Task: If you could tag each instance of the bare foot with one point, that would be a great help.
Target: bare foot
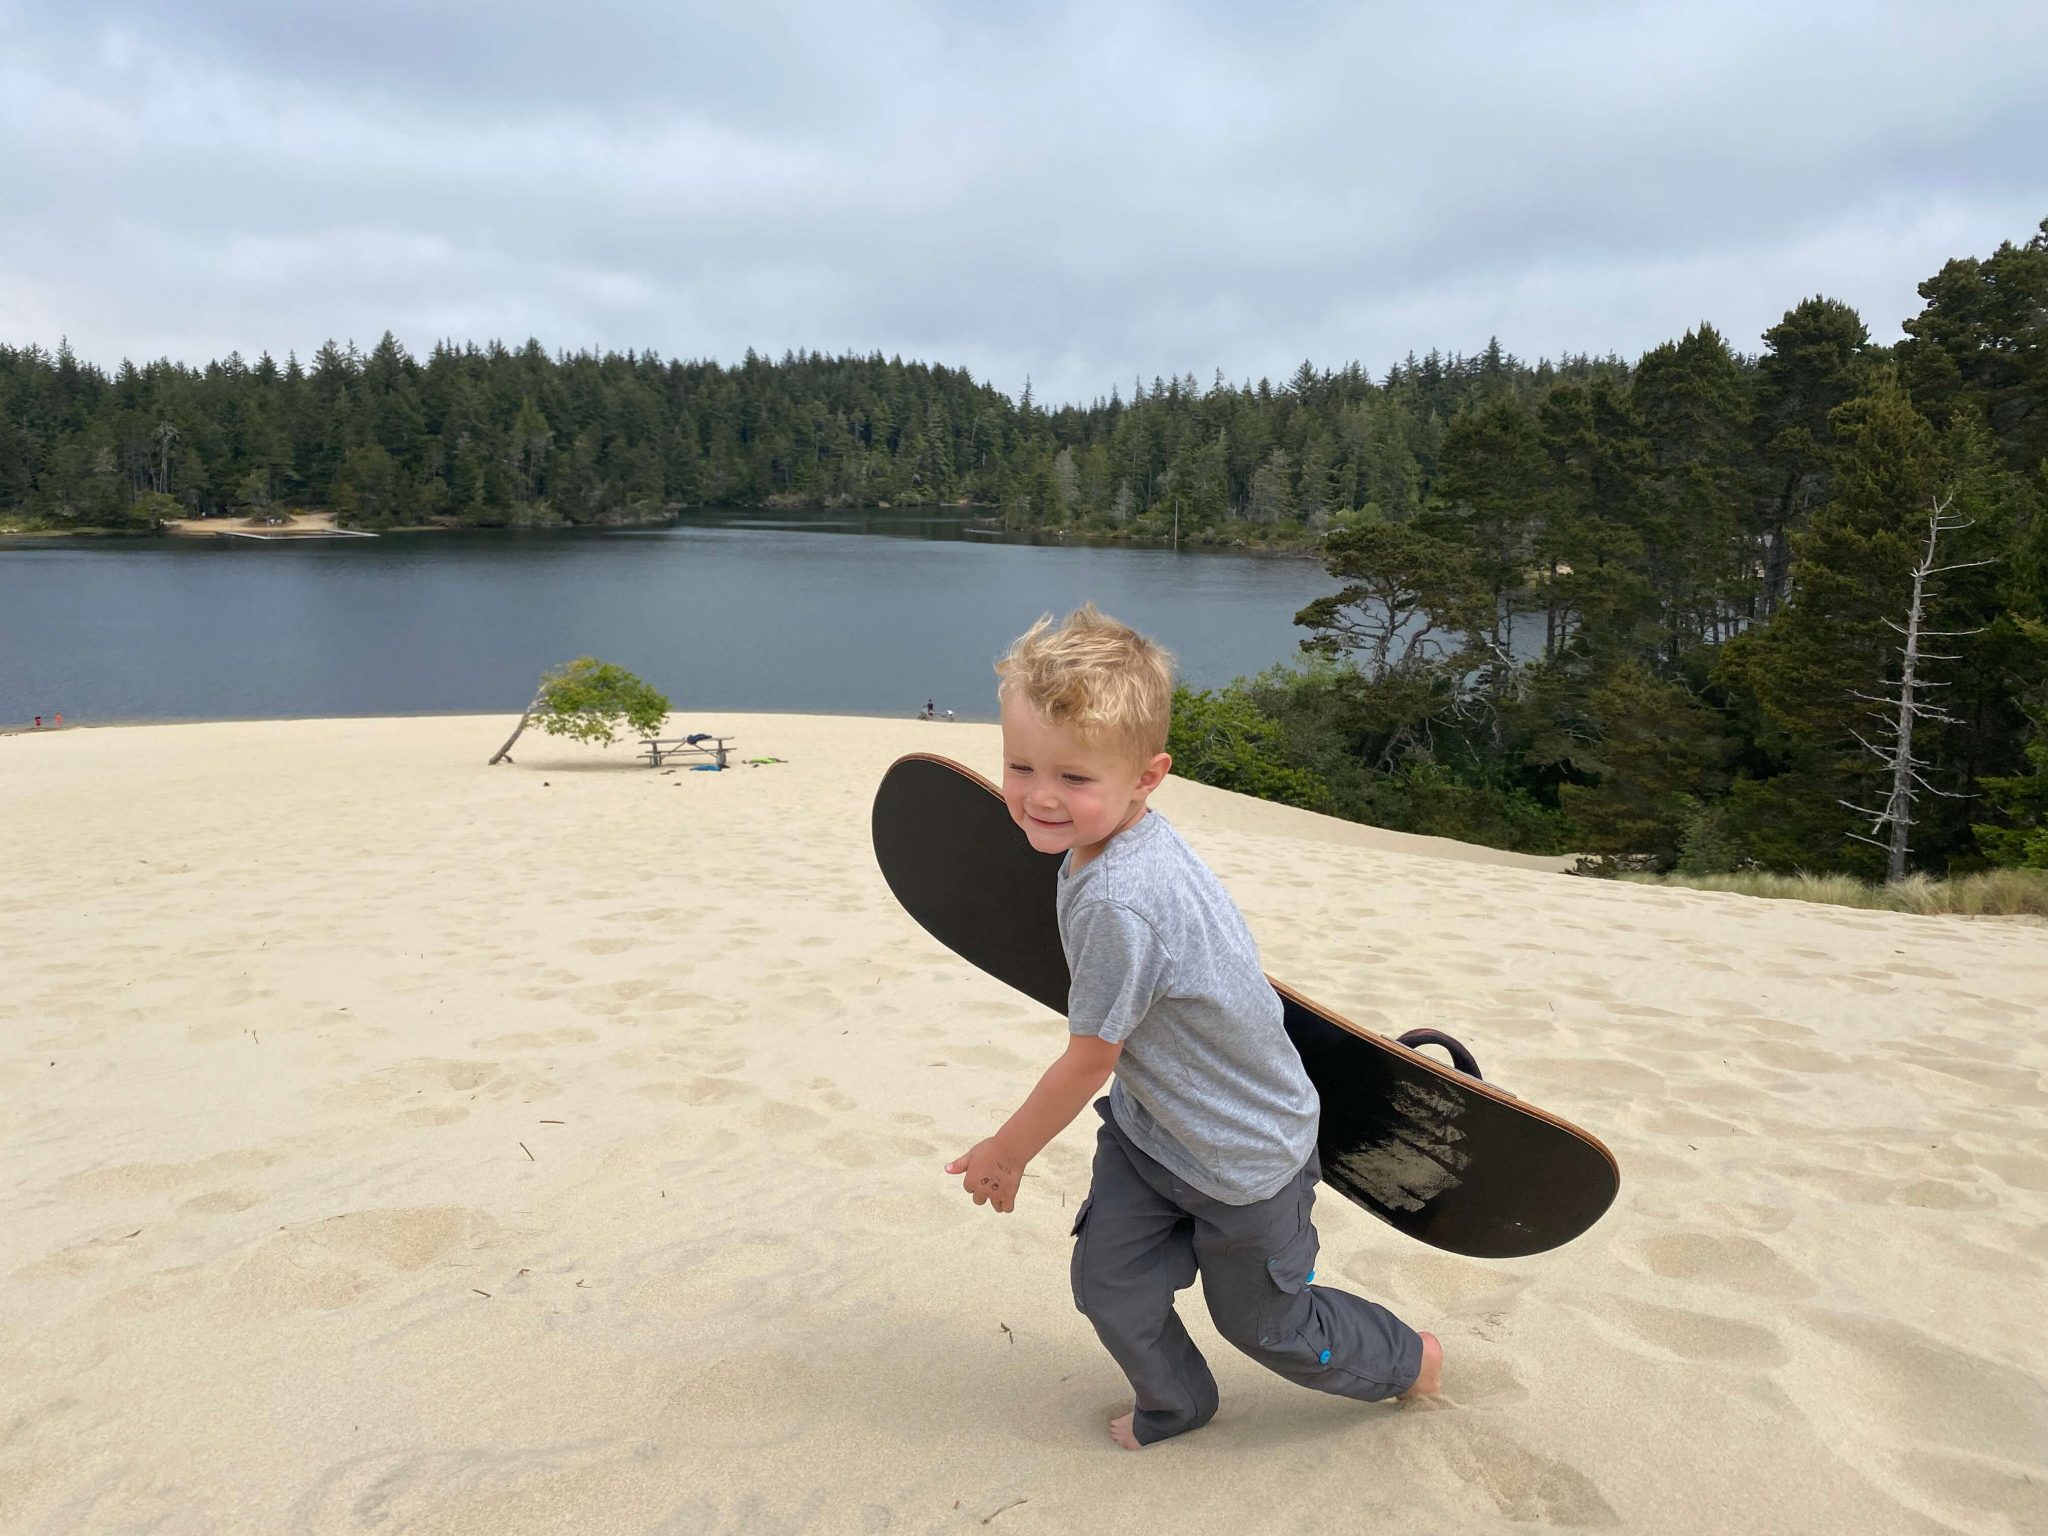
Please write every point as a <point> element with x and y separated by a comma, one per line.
<point>1429,1381</point>
<point>1120,1432</point>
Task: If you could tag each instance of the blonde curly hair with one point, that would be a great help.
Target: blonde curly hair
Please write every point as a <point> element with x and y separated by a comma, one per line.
<point>1095,674</point>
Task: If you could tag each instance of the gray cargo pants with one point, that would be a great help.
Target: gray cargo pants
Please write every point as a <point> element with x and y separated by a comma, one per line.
<point>1142,1235</point>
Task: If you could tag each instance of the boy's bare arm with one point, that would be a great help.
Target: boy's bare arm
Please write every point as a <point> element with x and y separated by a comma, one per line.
<point>994,1167</point>
<point>1066,1087</point>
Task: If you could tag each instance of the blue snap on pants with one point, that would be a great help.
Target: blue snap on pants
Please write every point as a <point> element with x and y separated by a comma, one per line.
<point>1142,1235</point>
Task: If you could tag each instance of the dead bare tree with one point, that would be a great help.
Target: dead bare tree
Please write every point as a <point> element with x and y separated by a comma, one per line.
<point>1903,709</point>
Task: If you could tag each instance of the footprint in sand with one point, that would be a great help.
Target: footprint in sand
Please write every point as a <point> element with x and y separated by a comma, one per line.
<point>1690,1125</point>
<point>1524,1485</point>
<point>439,1490</point>
<point>1900,968</point>
<point>992,1056</point>
<point>1582,1072</point>
<point>1786,972</point>
<point>1596,993</point>
<point>76,1260</point>
<point>753,1400</point>
<point>2015,1495</point>
<point>1482,1378</point>
<point>1991,1011</point>
<point>2019,1084</point>
<point>711,1090</point>
<point>1941,1195</point>
<point>219,1202</point>
<point>804,1003</point>
<point>2019,1172</point>
<point>644,915</point>
<point>1793,1058</point>
<point>1646,1166</point>
<point>1682,1334</point>
<point>438,1079</point>
<point>779,1116</point>
<point>828,1094</point>
<point>746,1276</point>
<point>859,1150</point>
<point>1775,1029</point>
<point>668,1000</point>
<point>1750,1218</point>
<point>435,1114</point>
<point>1465,1287</point>
<point>1739,1097</point>
<point>1732,1263</point>
<point>1922,1393</point>
<point>539,1040</point>
<point>1844,1184</point>
<point>129,1181</point>
<point>324,1265</point>
<point>671,1053</point>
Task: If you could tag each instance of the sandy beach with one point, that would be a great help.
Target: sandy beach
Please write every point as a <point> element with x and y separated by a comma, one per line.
<point>399,1144</point>
<point>300,525</point>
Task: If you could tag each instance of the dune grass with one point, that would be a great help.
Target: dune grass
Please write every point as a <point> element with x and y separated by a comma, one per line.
<point>1994,893</point>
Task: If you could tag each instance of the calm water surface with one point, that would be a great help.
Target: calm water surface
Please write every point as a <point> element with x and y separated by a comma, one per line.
<point>865,613</point>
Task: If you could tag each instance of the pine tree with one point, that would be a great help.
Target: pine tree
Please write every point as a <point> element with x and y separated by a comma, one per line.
<point>1852,572</point>
<point>1815,359</point>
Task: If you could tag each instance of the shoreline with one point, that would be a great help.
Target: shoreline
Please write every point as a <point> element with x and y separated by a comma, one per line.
<point>314,526</point>
<point>155,721</point>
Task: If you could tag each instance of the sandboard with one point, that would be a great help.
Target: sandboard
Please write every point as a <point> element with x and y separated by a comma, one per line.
<point>1434,1152</point>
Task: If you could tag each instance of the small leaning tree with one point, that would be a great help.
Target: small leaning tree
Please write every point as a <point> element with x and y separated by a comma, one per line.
<point>587,700</point>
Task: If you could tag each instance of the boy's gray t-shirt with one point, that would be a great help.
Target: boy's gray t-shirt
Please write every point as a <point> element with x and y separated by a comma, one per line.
<point>1162,962</point>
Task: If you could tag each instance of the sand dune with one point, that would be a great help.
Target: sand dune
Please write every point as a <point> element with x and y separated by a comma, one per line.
<point>398,1144</point>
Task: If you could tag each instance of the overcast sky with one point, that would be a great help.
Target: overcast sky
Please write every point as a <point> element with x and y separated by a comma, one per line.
<point>1080,193</point>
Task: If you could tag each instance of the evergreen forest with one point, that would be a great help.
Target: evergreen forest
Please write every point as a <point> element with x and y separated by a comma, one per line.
<point>1657,612</point>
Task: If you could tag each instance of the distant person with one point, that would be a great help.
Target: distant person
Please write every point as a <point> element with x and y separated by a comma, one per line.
<point>39,722</point>
<point>1205,1161</point>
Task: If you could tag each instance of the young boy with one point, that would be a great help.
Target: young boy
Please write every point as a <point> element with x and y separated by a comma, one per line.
<point>1206,1158</point>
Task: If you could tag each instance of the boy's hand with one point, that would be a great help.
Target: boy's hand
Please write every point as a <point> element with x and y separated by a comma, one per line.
<point>992,1176</point>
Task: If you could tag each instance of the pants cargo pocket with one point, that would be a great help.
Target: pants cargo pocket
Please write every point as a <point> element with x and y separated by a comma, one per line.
<point>1288,1319</point>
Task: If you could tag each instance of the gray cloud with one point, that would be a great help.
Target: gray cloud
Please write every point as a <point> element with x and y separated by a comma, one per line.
<point>1083,194</point>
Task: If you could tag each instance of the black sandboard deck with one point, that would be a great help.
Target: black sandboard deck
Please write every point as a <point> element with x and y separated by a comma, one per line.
<point>1434,1152</point>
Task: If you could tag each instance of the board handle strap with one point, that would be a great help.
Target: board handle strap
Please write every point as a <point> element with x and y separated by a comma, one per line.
<point>1461,1058</point>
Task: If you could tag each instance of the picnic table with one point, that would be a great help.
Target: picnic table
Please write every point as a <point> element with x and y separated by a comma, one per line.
<point>654,750</point>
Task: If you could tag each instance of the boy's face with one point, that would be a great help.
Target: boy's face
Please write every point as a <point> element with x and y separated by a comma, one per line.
<point>1067,793</point>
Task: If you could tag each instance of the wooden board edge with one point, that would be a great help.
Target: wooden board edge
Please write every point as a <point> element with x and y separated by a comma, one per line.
<point>946,762</point>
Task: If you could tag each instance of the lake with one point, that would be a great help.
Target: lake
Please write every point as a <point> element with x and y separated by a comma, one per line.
<point>868,612</point>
